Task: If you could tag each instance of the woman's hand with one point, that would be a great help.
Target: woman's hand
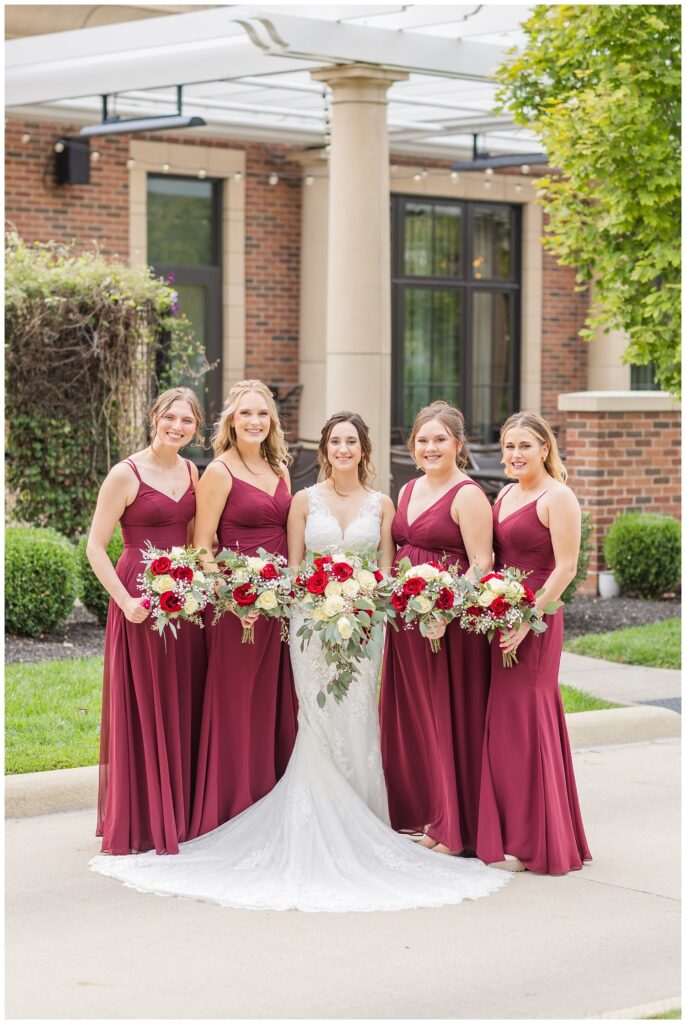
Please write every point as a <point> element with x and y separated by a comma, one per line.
<point>509,642</point>
<point>133,609</point>
<point>247,620</point>
<point>437,628</point>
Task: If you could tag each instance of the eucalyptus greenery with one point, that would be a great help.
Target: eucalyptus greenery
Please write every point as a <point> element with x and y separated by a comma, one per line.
<point>88,342</point>
<point>600,86</point>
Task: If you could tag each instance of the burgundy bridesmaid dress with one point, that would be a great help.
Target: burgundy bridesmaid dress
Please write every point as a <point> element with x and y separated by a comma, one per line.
<point>529,805</point>
<point>433,706</point>
<point>152,697</point>
<point>250,708</point>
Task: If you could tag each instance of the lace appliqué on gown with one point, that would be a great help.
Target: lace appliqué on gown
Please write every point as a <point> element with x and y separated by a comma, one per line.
<point>320,841</point>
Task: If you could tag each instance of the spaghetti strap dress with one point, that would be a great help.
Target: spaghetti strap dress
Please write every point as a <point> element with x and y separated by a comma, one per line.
<point>152,697</point>
<point>433,706</point>
<point>250,709</point>
<point>529,805</point>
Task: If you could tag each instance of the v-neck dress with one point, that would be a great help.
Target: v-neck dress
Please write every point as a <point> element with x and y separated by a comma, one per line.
<point>250,710</point>
<point>152,697</point>
<point>433,706</point>
<point>529,806</point>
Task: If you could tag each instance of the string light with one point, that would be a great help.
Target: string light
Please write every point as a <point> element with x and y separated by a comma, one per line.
<point>489,172</point>
<point>273,179</point>
<point>59,147</point>
<point>26,137</point>
<point>95,155</point>
<point>238,175</point>
<point>525,168</point>
<point>454,176</point>
<point>130,164</point>
<point>309,179</point>
<point>417,176</point>
<point>487,184</point>
<point>166,168</point>
<point>202,173</point>
<point>518,187</point>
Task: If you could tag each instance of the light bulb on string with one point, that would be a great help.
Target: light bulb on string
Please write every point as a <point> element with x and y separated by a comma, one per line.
<point>202,173</point>
<point>26,137</point>
<point>59,147</point>
<point>454,176</point>
<point>95,156</point>
<point>238,175</point>
<point>309,179</point>
<point>525,168</point>
<point>518,187</point>
<point>166,168</point>
<point>130,164</point>
<point>489,172</point>
<point>417,176</point>
<point>424,175</point>
<point>487,184</point>
<point>273,179</point>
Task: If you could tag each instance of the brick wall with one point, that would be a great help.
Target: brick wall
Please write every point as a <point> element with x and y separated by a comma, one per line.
<point>622,462</point>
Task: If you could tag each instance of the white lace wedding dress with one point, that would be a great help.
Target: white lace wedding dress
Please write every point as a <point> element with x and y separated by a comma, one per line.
<point>320,841</point>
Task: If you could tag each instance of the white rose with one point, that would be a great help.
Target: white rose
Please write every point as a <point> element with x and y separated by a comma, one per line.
<point>350,588</point>
<point>177,552</point>
<point>425,572</point>
<point>199,578</point>
<point>190,605</point>
<point>514,590</point>
<point>162,583</point>
<point>267,601</point>
<point>446,579</point>
<point>334,605</point>
<point>334,587</point>
<point>486,598</point>
<point>338,556</point>
<point>421,604</point>
<point>497,586</point>
<point>344,627</point>
<point>366,579</point>
<point>255,563</point>
<point>318,614</point>
<point>239,576</point>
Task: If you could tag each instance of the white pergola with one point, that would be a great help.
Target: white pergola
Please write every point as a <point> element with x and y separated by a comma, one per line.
<point>245,69</point>
<point>351,83</point>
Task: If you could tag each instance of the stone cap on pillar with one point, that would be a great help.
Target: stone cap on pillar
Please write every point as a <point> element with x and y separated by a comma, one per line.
<point>618,401</point>
<point>354,80</point>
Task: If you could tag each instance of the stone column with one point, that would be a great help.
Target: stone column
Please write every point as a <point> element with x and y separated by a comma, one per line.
<point>358,327</point>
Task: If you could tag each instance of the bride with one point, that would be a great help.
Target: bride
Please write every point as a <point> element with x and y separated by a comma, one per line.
<point>320,840</point>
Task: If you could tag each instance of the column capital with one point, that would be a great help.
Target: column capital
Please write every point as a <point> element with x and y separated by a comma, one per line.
<point>359,79</point>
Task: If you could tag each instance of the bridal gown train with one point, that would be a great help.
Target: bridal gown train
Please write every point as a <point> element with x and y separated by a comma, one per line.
<point>320,840</point>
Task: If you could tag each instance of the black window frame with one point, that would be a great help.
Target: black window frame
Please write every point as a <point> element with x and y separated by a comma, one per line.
<point>465,283</point>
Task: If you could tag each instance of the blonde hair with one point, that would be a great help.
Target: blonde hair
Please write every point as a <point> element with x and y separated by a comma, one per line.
<point>167,399</point>
<point>453,421</point>
<point>542,431</point>
<point>366,470</point>
<point>274,448</point>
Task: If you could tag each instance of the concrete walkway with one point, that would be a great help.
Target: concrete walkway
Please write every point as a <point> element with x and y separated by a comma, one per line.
<point>602,942</point>
<point>624,684</point>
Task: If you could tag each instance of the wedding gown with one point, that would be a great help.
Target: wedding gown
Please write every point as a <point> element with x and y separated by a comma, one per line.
<point>320,840</point>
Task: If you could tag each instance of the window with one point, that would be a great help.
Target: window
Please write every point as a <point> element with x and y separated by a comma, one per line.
<point>643,378</point>
<point>184,244</point>
<point>456,294</point>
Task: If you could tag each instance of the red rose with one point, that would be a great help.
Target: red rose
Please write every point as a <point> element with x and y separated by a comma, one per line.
<point>244,596</point>
<point>342,571</point>
<point>414,585</point>
<point>323,560</point>
<point>225,569</point>
<point>445,599</point>
<point>182,572</point>
<point>491,576</point>
<point>317,584</point>
<point>529,595</point>
<point>498,606</point>
<point>170,602</point>
<point>475,610</point>
<point>160,566</point>
<point>269,572</point>
<point>378,575</point>
<point>399,602</point>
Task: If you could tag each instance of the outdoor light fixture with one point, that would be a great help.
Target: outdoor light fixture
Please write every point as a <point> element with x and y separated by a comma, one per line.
<point>114,125</point>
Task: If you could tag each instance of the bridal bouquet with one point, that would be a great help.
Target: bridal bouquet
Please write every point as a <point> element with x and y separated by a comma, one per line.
<point>428,594</point>
<point>254,583</point>
<point>502,602</point>
<point>173,586</point>
<point>344,598</point>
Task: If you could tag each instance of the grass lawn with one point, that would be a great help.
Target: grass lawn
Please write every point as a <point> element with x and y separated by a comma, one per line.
<point>579,700</point>
<point>657,645</point>
<point>670,1015</point>
<point>52,714</point>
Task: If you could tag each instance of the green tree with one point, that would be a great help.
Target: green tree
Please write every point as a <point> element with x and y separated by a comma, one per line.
<point>600,85</point>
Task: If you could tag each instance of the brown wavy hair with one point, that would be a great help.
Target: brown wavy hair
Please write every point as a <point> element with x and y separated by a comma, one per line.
<point>167,399</point>
<point>542,431</point>
<point>453,421</point>
<point>274,448</point>
<point>366,470</point>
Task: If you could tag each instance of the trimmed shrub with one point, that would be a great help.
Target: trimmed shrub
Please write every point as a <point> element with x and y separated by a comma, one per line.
<point>93,594</point>
<point>40,580</point>
<point>584,558</point>
<point>643,550</point>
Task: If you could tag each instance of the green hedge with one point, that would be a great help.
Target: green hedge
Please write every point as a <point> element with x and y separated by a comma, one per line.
<point>584,557</point>
<point>93,594</point>
<point>643,550</point>
<point>41,580</point>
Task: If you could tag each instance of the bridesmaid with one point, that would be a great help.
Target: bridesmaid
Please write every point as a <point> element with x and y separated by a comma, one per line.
<point>529,807</point>
<point>433,706</point>
<point>250,710</point>
<point>152,687</point>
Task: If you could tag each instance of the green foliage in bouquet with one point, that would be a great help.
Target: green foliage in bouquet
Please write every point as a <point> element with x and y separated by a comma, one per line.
<point>84,339</point>
<point>92,593</point>
<point>600,85</point>
<point>643,550</point>
<point>40,580</point>
<point>584,558</point>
